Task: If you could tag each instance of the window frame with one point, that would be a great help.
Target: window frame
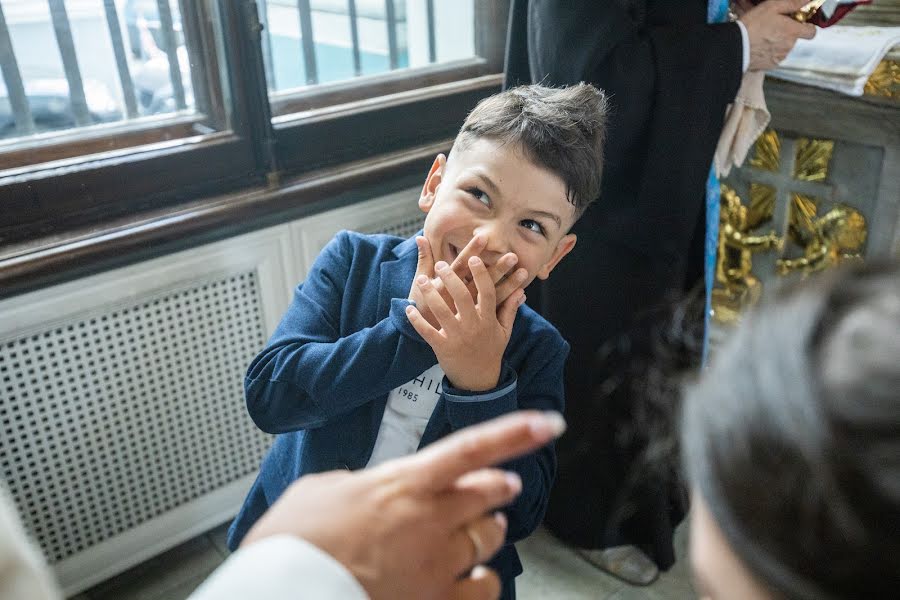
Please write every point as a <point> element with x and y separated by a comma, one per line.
<point>66,189</point>
<point>68,192</point>
<point>386,113</point>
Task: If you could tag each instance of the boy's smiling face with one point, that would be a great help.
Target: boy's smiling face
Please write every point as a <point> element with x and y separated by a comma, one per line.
<point>493,190</point>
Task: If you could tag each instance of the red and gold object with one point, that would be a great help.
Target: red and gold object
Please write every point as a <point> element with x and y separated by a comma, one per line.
<point>824,13</point>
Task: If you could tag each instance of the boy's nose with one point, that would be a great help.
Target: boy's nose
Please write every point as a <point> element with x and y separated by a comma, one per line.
<point>496,242</point>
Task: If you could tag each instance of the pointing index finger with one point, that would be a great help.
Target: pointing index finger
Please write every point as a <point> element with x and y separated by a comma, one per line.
<point>438,466</point>
<point>461,262</point>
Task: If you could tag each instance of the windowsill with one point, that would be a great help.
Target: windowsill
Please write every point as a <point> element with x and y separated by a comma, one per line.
<point>57,258</point>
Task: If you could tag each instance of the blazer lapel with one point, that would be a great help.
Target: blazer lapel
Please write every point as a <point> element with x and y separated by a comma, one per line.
<point>396,275</point>
<point>396,278</point>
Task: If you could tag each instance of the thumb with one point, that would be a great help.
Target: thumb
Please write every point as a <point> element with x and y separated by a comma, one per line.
<point>425,264</point>
<point>506,314</point>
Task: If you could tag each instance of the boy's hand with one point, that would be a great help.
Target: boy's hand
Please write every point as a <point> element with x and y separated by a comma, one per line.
<point>505,285</point>
<point>470,342</point>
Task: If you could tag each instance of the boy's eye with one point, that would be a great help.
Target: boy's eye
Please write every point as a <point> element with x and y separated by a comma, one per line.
<point>479,195</point>
<point>533,226</point>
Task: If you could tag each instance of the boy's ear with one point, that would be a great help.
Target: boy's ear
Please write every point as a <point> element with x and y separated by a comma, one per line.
<point>564,246</point>
<point>435,175</point>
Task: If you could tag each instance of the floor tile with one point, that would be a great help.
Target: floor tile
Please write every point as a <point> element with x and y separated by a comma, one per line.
<point>218,536</point>
<point>158,577</point>
<point>552,570</point>
<point>182,591</point>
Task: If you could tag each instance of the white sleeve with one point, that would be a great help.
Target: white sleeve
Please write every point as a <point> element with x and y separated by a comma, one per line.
<point>23,572</point>
<point>277,567</point>
<point>745,45</point>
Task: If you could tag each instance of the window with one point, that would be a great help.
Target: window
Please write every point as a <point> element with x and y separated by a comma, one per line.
<point>311,47</point>
<point>130,77</point>
<point>112,108</point>
<point>351,79</point>
<point>107,71</point>
<point>356,38</point>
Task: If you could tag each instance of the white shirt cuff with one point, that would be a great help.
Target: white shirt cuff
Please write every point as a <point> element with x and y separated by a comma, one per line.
<point>745,43</point>
<point>280,567</point>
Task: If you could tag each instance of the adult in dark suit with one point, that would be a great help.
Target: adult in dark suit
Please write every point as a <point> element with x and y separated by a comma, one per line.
<point>669,76</point>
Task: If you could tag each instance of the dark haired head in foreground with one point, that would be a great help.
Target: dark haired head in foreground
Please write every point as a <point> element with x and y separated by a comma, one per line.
<point>792,444</point>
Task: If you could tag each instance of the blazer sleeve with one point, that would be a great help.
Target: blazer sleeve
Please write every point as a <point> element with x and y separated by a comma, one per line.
<point>542,390</point>
<point>309,373</point>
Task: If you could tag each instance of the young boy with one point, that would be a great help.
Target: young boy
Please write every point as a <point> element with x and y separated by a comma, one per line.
<point>390,344</point>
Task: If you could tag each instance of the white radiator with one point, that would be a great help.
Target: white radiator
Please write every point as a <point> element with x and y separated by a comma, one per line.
<point>123,430</point>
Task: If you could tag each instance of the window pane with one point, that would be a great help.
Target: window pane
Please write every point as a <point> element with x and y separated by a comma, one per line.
<point>354,38</point>
<point>89,62</point>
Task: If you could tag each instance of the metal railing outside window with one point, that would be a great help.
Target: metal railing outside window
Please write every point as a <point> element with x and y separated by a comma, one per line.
<point>110,108</point>
<point>309,42</point>
<point>70,64</point>
<point>81,63</point>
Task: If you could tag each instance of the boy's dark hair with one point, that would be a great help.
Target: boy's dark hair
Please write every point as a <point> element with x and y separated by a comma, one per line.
<point>562,129</point>
<point>792,437</point>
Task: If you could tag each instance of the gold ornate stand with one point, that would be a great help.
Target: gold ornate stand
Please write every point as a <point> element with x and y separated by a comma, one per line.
<point>820,188</point>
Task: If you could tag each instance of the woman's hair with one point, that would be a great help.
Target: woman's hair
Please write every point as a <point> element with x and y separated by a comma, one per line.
<point>792,437</point>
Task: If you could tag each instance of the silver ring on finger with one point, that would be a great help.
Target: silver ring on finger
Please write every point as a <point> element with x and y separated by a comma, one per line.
<point>477,544</point>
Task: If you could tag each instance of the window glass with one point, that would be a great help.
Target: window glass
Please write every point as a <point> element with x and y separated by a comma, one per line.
<point>348,39</point>
<point>83,63</point>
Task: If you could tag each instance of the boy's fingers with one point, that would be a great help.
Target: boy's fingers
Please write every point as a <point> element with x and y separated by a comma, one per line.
<point>442,290</point>
<point>436,303</point>
<point>425,264</point>
<point>459,293</point>
<point>428,333</point>
<point>487,293</point>
<point>509,285</point>
<point>503,266</point>
<point>438,466</point>
<point>506,315</point>
<point>461,263</point>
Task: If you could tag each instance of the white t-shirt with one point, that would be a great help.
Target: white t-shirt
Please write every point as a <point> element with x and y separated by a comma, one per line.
<point>408,410</point>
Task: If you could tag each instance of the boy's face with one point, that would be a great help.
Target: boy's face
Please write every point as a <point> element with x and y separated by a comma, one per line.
<point>495,191</point>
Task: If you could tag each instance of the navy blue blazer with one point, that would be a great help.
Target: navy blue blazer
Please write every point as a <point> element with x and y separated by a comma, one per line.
<point>323,380</point>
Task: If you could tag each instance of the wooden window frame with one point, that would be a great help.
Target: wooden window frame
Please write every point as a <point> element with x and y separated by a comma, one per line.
<point>102,181</point>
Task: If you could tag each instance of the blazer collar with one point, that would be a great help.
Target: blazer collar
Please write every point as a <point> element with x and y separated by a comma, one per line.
<point>408,245</point>
<point>397,275</point>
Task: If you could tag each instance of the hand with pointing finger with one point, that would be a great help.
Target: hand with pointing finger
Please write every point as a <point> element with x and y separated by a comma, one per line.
<point>415,527</point>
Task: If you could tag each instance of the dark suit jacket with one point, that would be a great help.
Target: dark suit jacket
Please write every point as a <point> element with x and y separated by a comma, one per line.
<point>322,381</point>
<point>669,77</point>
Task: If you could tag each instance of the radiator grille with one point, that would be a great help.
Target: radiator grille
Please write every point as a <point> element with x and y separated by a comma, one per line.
<point>115,418</point>
<point>404,227</point>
